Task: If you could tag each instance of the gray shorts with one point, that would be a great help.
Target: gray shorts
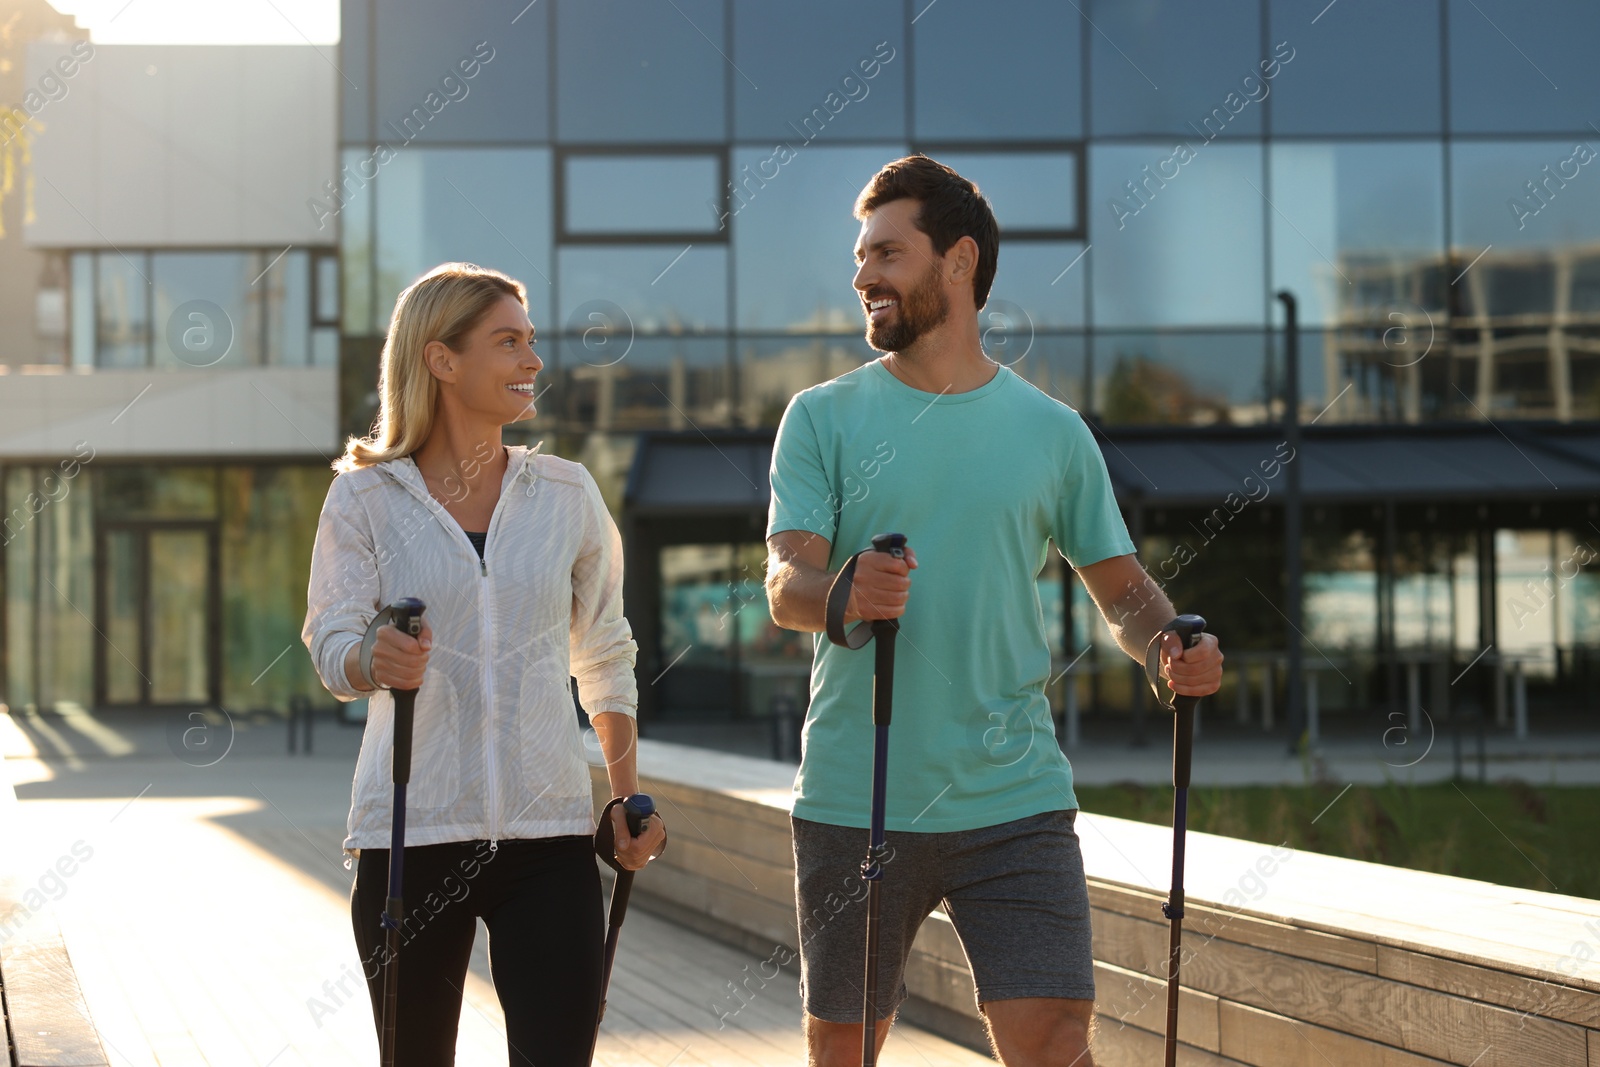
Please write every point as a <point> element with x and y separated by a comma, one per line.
<point>1015,894</point>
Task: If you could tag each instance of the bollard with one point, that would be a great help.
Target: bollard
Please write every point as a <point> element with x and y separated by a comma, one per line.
<point>1313,711</point>
<point>1070,694</point>
<point>1267,685</point>
<point>1499,688</point>
<point>1519,699</point>
<point>299,718</point>
<point>785,728</point>
<point>1414,697</point>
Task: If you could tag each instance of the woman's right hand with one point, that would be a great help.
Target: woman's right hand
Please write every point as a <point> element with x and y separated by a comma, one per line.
<point>398,659</point>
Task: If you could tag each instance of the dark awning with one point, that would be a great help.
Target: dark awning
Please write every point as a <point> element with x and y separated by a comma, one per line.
<point>1359,464</point>
<point>719,473</point>
<point>694,473</point>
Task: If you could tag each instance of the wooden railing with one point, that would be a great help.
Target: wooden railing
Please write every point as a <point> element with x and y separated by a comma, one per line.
<point>1292,959</point>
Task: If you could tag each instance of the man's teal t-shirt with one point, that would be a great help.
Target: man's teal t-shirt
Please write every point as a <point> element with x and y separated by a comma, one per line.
<point>980,483</point>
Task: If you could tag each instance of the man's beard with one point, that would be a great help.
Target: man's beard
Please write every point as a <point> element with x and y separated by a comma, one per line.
<point>923,309</point>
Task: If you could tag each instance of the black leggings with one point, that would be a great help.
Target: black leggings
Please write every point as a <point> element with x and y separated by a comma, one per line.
<point>541,902</point>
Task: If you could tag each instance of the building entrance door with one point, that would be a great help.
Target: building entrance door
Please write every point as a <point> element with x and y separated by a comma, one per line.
<point>157,613</point>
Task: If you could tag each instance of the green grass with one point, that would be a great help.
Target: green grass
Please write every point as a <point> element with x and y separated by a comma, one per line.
<point>1509,833</point>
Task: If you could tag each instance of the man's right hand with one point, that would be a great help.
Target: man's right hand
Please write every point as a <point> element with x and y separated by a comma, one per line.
<point>880,587</point>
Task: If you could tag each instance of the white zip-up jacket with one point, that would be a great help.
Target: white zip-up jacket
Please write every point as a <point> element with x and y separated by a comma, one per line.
<point>497,749</point>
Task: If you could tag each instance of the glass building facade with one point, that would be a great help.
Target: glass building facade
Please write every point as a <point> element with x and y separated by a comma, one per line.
<point>674,183</point>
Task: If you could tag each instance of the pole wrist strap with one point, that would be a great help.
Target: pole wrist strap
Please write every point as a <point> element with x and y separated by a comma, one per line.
<point>369,641</point>
<point>838,601</point>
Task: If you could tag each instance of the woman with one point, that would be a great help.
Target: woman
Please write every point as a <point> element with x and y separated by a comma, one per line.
<point>520,567</point>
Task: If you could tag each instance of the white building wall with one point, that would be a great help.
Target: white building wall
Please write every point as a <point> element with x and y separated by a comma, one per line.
<point>262,411</point>
<point>184,145</point>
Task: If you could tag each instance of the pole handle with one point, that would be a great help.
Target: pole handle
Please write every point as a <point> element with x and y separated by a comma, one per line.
<point>839,597</point>
<point>1188,628</point>
<point>636,810</point>
<point>407,615</point>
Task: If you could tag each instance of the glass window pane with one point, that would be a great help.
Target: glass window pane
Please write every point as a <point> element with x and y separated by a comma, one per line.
<point>325,347</point>
<point>433,58</point>
<point>1516,68</point>
<point>287,293</point>
<point>656,383</point>
<point>637,70</point>
<point>1191,379</point>
<point>1355,227</point>
<point>83,309</point>
<point>355,95</point>
<point>1527,220</point>
<point>1028,51</point>
<point>773,370</point>
<point>179,581</point>
<point>1524,194</point>
<point>327,289</point>
<point>1374,67</point>
<point>1323,377</point>
<point>1042,279</point>
<point>1166,67</point>
<point>655,288</point>
<point>207,312</point>
<point>124,599</point>
<point>826,68</point>
<point>489,206</point>
<point>1058,365</point>
<point>21,590</point>
<point>794,240</point>
<point>66,636</point>
<point>355,247</point>
<point>122,299</point>
<point>643,194</point>
<point>1185,246</point>
<point>269,518</point>
<point>1028,190</point>
<point>151,492</point>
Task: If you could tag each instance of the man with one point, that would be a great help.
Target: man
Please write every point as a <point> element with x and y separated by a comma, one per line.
<point>980,471</point>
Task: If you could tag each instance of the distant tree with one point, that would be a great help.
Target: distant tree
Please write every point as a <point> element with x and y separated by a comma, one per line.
<point>1139,389</point>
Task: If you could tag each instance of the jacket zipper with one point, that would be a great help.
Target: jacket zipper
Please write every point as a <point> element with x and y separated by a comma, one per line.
<point>488,661</point>
<point>488,689</point>
<point>488,636</point>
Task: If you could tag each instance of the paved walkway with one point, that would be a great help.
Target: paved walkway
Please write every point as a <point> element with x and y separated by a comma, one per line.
<point>210,922</point>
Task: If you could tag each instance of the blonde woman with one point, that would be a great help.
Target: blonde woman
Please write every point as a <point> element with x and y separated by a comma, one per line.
<point>520,567</point>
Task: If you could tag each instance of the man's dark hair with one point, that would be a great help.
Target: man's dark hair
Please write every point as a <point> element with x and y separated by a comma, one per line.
<point>952,208</point>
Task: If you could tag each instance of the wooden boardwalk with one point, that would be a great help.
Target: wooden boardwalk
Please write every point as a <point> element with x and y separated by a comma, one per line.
<point>210,925</point>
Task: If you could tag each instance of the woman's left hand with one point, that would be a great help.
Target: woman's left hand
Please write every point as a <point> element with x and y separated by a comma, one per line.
<point>634,852</point>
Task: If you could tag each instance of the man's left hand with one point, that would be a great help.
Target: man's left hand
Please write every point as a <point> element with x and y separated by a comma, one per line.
<point>1195,671</point>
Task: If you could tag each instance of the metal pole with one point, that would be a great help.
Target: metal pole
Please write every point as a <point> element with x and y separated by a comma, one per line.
<point>1291,518</point>
<point>884,631</point>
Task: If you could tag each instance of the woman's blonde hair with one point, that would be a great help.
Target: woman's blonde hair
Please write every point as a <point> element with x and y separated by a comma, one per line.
<point>445,304</point>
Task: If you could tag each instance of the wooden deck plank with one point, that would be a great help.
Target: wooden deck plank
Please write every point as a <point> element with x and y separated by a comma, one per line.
<point>1520,993</point>
<point>1124,996</point>
<point>1434,1024</point>
<point>1133,1047</point>
<point>1265,1039</point>
<point>1519,930</point>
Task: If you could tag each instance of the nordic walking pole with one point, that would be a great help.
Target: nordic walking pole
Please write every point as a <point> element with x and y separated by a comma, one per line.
<point>405,613</point>
<point>637,809</point>
<point>884,630</point>
<point>1187,627</point>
